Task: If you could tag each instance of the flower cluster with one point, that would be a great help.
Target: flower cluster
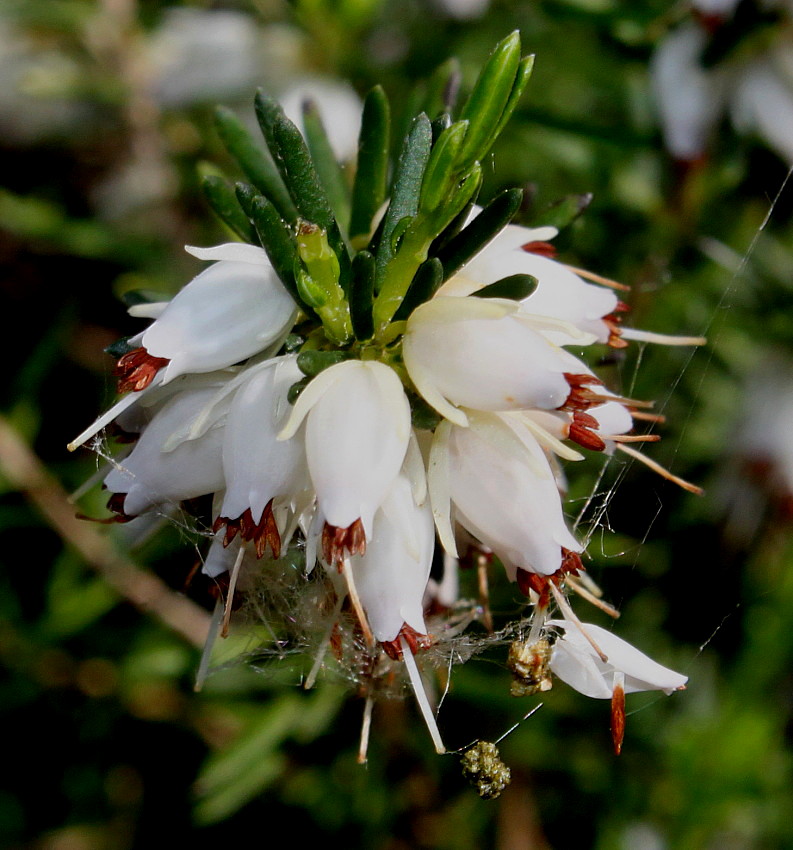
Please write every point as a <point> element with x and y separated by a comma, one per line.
<point>366,408</point>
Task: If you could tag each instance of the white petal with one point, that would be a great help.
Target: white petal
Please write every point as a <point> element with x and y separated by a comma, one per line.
<point>392,576</point>
<point>357,434</point>
<point>237,252</point>
<point>574,659</point>
<point>228,313</point>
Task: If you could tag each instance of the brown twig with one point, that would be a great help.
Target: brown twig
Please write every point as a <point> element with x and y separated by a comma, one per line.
<point>27,473</point>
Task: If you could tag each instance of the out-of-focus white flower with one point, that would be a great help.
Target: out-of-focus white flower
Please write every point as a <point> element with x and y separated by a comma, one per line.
<point>503,491</point>
<point>755,90</point>
<point>155,474</point>
<point>339,108</point>
<point>483,354</point>
<point>462,10</point>
<point>230,311</point>
<point>357,433</point>
<point>204,55</point>
<point>690,98</point>
<point>392,574</point>
<point>576,663</point>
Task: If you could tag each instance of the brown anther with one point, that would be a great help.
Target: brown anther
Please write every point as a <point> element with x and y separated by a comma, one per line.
<point>618,716</point>
<point>571,564</point>
<point>474,556</point>
<point>263,534</point>
<point>116,504</point>
<point>543,249</point>
<point>581,397</point>
<point>615,339</point>
<point>136,369</point>
<point>583,430</point>
<point>415,641</point>
<point>338,542</point>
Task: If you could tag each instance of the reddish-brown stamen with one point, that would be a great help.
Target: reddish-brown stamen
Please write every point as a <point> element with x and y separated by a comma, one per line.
<point>543,249</point>
<point>583,430</point>
<point>263,534</point>
<point>136,369</point>
<point>338,542</point>
<point>415,641</point>
<point>618,716</point>
<point>581,397</point>
<point>527,581</point>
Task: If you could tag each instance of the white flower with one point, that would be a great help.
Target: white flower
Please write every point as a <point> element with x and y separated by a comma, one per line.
<point>576,663</point>
<point>482,353</point>
<point>690,98</point>
<point>392,575</point>
<point>560,293</point>
<point>503,491</point>
<point>357,433</point>
<point>339,109</point>
<point>258,467</point>
<point>234,309</point>
<point>156,473</point>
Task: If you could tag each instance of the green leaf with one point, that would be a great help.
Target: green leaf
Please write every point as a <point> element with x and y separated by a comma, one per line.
<point>441,167</point>
<point>470,241</point>
<point>564,212</point>
<point>522,76</point>
<point>490,95</point>
<point>221,197</point>
<point>362,294</point>
<point>328,169</point>
<point>515,287</point>
<point>425,284</point>
<point>371,176</point>
<point>311,362</point>
<point>405,189</point>
<point>255,162</point>
<point>276,238</point>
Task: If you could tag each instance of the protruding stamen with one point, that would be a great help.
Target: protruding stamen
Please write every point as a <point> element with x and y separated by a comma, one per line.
<point>209,643</point>
<point>596,278</point>
<point>578,588</point>
<point>421,696</point>
<point>632,438</point>
<point>136,369</point>
<point>648,417</point>
<point>664,473</point>
<point>355,600</point>
<point>569,614</point>
<point>661,339</point>
<point>366,725</point>
<point>618,712</point>
<point>235,571</point>
<point>415,640</point>
<point>105,419</point>
<point>484,590</point>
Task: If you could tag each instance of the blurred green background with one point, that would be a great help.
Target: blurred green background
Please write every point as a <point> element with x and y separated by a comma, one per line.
<point>105,130</point>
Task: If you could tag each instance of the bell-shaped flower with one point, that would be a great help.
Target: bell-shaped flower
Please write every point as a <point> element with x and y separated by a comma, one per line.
<point>482,353</point>
<point>392,575</point>
<point>231,311</point>
<point>575,661</point>
<point>689,97</point>
<point>357,433</point>
<point>258,467</point>
<point>560,293</point>
<point>503,491</point>
<point>162,469</point>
